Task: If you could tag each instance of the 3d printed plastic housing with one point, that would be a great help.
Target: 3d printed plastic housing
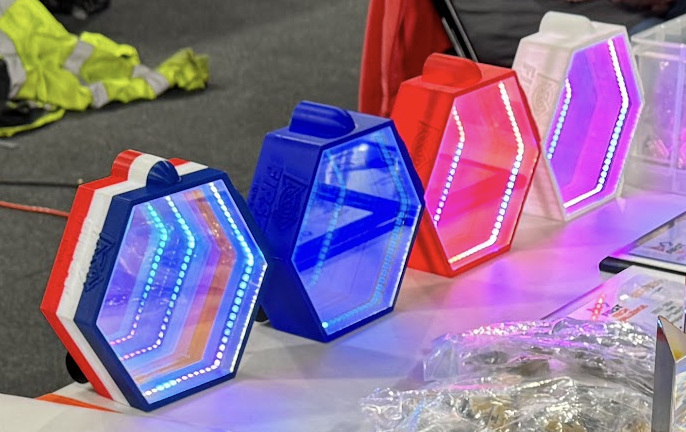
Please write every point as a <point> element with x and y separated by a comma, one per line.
<point>658,156</point>
<point>585,94</point>
<point>339,201</point>
<point>473,142</point>
<point>155,285</point>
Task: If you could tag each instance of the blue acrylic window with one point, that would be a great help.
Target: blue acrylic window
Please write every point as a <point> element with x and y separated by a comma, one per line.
<point>357,230</point>
<point>182,291</point>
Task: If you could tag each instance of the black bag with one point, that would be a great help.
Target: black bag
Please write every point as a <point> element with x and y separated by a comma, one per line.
<point>489,31</point>
<point>79,8</point>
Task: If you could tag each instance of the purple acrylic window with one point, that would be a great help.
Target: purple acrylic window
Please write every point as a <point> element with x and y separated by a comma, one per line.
<point>593,125</point>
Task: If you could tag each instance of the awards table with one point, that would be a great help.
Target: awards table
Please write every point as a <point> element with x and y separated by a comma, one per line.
<point>287,383</point>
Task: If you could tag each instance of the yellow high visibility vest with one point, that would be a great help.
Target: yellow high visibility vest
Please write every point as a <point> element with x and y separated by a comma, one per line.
<point>59,71</point>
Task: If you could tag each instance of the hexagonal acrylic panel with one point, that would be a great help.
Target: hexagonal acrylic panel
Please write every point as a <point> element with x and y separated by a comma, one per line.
<point>345,182</point>
<point>174,273</point>
<point>586,96</point>
<point>471,137</point>
<point>361,215</point>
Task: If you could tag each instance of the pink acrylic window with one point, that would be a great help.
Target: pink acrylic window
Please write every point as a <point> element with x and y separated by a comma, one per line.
<point>479,182</point>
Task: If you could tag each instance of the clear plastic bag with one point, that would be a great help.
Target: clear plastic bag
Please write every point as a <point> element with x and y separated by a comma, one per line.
<point>549,376</point>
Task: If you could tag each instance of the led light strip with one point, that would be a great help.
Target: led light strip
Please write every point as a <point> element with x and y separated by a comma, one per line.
<point>617,130</point>
<point>177,286</point>
<point>510,185</point>
<point>453,167</point>
<point>164,235</point>
<point>237,301</point>
<point>326,244</point>
<point>560,120</point>
<point>390,249</point>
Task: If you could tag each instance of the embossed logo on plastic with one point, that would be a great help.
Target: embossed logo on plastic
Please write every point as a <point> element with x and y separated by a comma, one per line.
<point>526,75</point>
<point>264,193</point>
<point>277,197</point>
<point>425,133</point>
<point>292,190</point>
<point>98,267</point>
<point>543,97</point>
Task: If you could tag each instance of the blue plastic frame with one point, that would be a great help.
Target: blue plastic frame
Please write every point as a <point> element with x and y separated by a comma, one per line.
<point>279,195</point>
<point>163,180</point>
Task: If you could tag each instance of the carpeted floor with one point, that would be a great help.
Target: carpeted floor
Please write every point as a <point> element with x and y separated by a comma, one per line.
<point>266,55</point>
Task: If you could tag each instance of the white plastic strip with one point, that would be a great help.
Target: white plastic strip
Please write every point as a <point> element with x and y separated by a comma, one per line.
<point>189,167</point>
<point>78,271</point>
<point>76,278</point>
<point>140,168</point>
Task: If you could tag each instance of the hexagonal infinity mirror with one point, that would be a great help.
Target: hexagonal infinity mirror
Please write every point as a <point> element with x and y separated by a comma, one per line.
<point>339,201</point>
<point>472,139</point>
<point>156,280</point>
<point>586,97</point>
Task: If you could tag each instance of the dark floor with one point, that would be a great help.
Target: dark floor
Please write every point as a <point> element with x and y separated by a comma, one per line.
<point>266,55</point>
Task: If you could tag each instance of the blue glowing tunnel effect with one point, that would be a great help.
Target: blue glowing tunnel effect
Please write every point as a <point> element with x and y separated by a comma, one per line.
<point>357,230</point>
<point>182,292</point>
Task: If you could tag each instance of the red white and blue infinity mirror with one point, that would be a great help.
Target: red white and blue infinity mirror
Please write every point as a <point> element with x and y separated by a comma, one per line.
<point>156,281</point>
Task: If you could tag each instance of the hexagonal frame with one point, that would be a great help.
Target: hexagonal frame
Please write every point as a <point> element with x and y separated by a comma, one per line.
<point>423,112</point>
<point>88,254</point>
<point>280,192</point>
<point>543,63</point>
